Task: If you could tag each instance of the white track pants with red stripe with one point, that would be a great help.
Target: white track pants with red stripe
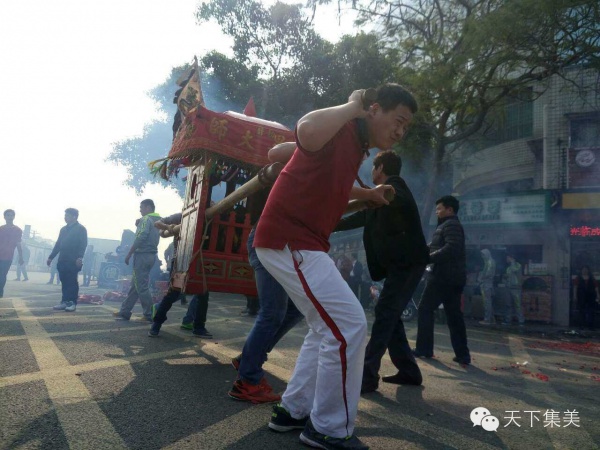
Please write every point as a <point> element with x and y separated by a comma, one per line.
<point>328,374</point>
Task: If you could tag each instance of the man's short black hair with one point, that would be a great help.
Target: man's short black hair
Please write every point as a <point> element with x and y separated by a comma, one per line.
<point>149,203</point>
<point>390,95</point>
<point>8,211</point>
<point>449,202</point>
<point>392,164</point>
<point>73,212</point>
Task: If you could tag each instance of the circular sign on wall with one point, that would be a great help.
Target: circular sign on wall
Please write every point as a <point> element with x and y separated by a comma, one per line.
<point>585,158</point>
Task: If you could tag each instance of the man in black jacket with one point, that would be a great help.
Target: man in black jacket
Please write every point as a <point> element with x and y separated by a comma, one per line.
<point>70,246</point>
<point>397,251</point>
<point>445,283</point>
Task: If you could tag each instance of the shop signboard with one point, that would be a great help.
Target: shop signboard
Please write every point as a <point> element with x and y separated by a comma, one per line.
<point>526,209</point>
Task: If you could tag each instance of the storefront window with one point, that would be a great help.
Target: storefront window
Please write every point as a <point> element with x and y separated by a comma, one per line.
<point>585,133</point>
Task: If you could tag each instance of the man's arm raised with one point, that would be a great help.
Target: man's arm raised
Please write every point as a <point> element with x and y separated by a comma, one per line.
<point>282,153</point>
<point>318,127</point>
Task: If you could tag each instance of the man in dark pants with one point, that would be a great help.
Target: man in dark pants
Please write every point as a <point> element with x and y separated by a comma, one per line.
<point>396,250</point>
<point>445,283</point>
<point>70,246</point>
<point>276,313</point>
<point>197,308</point>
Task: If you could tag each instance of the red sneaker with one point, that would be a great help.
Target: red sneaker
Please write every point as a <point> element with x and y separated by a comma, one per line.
<point>253,393</point>
<point>265,384</point>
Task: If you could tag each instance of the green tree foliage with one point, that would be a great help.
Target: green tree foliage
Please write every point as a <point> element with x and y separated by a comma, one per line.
<point>464,57</point>
<point>135,153</point>
<point>297,70</point>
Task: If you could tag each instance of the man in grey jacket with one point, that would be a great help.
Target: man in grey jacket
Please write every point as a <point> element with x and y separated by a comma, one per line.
<point>445,283</point>
<point>143,250</point>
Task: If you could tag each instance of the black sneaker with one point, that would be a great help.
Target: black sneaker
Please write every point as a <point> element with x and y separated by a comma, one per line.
<point>202,333</point>
<point>154,330</point>
<point>313,438</point>
<point>282,421</point>
<point>465,361</point>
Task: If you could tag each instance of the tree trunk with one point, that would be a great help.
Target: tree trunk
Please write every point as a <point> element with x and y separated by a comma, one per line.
<point>431,195</point>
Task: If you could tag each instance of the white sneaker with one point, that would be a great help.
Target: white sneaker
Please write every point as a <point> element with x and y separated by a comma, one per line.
<point>60,307</point>
<point>70,307</point>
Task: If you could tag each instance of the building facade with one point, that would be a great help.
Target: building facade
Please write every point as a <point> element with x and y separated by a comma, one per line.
<point>534,191</point>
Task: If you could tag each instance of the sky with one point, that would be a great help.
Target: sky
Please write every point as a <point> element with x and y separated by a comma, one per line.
<point>74,79</point>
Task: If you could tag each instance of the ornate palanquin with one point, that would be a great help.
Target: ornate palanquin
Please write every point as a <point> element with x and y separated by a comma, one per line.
<point>218,148</point>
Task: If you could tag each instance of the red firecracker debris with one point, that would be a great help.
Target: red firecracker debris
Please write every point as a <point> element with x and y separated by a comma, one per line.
<point>576,347</point>
<point>90,299</point>
<point>541,376</point>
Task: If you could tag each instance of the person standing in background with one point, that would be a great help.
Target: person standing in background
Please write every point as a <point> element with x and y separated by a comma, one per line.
<point>355,276</point>
<point>88,263</point>
<point>10,238</point>
<point>486,282</point>
<point>445,283</point>
<point>512,278</point>
<point>143,250</point>
<point>586,296</point>
<point>22,267</point>
<point>54,273</point>
<point>70,246</point>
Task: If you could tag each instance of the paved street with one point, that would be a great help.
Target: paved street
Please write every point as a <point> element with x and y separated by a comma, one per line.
<point>83,381</point>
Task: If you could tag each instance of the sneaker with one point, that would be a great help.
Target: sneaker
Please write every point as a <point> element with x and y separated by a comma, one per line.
<point>202,333</point>
<point>154,309</point>
<point>117,315</point>
<point>143,319</point>
<point>282,421</point>
<point>71,307</point>
<point>235,362</point>
<point>154,330</point>
<point>265,385</point>
<point>60,307</point>
<point>187,326</point>
<point>255,393</point>
<point>313,438</point>
<point>26,279</point>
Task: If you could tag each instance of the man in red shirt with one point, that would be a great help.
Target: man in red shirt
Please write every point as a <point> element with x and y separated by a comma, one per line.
<point>10,237</point>
<point>292,240</point>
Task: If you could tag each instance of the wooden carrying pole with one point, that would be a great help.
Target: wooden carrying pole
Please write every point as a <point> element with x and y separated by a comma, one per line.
<point>265,178</point>
<point>359,205</point>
